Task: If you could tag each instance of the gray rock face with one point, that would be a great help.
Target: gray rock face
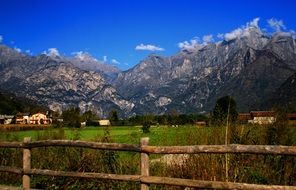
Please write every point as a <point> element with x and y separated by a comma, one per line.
<point>86,62</point>
<point>57,83</point>
<point>248,67</point>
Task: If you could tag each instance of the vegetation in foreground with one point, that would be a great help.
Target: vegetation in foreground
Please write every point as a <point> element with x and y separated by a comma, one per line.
<point>261,169</point>
<point>245,168</point>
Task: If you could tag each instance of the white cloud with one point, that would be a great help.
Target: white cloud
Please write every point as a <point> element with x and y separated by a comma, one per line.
<point>208,38</point>
<point>18,49</point>
<point>105,58</point>
<point>52,52</point>
<point>114,61</point>
<point>253,23</point>
<point>293,33</point>
<point>28,52</point>
<point>149,47</point>
<point>84,56</point>
<point>275,24</point>
<point>243,30</point>
<point>220,36</point>
<point>234,34</point>
<point>1,39</point>
<point>192,44</point>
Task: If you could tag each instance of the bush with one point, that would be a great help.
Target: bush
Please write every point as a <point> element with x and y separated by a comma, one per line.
<point>146,127</point>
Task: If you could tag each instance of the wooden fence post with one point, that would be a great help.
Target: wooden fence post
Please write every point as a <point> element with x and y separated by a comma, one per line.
<point>144,163</point>
<point>26,164</point>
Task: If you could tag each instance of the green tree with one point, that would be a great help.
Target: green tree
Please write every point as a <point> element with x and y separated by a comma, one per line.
<point>224,111</point>
<point>113,117</point>
<point>71,117</point>
<point>89,115</point>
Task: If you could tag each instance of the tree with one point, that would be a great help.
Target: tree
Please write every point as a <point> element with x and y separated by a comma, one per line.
<point>71,117</point>
<point>89,115</point>
<point>224,111</point>
<point>113,117</point>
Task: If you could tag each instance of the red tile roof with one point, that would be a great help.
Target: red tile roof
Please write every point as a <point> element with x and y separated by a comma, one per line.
<point>262,113</point>
<point>244,116</point>
<point>291,115</point>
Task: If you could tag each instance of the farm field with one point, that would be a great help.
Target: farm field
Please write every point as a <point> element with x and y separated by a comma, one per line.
<point>160,135</point>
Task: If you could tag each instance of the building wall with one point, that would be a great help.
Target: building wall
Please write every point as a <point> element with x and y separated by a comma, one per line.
<point>39,118</point>
<point>262,120</point>
<point>104,122</point>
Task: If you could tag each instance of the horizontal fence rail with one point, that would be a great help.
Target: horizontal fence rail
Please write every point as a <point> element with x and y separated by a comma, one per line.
<point>145,179</point>
<point>196,149</point>
<point>221,149</point>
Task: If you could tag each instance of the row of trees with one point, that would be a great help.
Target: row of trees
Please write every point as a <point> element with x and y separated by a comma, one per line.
<point>73,118</point>
<point>224,111</point>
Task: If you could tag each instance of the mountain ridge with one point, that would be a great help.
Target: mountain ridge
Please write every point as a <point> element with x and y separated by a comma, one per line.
<point>250,66</point>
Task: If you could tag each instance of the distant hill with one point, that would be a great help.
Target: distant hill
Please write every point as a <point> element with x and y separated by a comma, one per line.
<point>285,95</point>
<point>10,105</point>
<point>56,82</point>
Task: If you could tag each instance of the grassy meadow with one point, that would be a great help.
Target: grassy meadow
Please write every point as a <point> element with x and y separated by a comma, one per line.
<point>160,135</point>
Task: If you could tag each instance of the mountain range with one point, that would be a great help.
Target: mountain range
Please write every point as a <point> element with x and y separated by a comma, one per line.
<point>256,69</point>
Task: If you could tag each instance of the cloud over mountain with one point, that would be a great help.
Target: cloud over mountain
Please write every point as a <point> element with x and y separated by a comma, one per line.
<point>242,31</point>
<point>149,47</point>
<point>114,61</point>
<point>208,38</point>
<point>189,45</point>
<point>52,52</point>
<point>275,24</point>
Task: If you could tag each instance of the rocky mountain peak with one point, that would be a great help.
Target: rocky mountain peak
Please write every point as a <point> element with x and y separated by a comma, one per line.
<point>86,61</point>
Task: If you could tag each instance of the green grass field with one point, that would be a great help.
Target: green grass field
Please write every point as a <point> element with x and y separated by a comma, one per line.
<point>161,135</point>
<point>158,135</point>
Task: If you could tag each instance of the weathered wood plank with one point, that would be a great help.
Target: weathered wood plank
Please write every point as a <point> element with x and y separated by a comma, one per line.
<point>144,163</point>
<point>222,149</point>
<point>217,149</point>
<point>135,178</point>
<point>210,184</point>
<point>26,164</point>
<point>11,144</point>
<point>84,144</point>
<point>10,169</point>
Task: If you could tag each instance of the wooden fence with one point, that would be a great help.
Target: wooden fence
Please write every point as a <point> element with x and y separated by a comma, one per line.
<point>144,149</point>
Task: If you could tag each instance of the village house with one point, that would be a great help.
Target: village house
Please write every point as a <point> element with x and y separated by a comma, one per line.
<point>262,117</point>
<point>257,117</point>
<point>104,122</point>
<point>200,123</point>
<point>40,118</point>
<point>7,119</point>
<point>23,118</point>
<point>37,118</point>
<point>291,118</point>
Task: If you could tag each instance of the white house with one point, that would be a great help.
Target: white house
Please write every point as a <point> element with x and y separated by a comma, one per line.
<point>104,122</point>
<point>262,117</point>
<point>40,118</point>
<point>6,119</point>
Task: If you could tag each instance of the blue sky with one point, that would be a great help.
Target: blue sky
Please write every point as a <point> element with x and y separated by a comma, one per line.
<point>122,30</point>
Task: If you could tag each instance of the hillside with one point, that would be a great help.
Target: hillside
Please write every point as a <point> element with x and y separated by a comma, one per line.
<point>250,67</point>
<point>56,82</point>
<point>10,105</point>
